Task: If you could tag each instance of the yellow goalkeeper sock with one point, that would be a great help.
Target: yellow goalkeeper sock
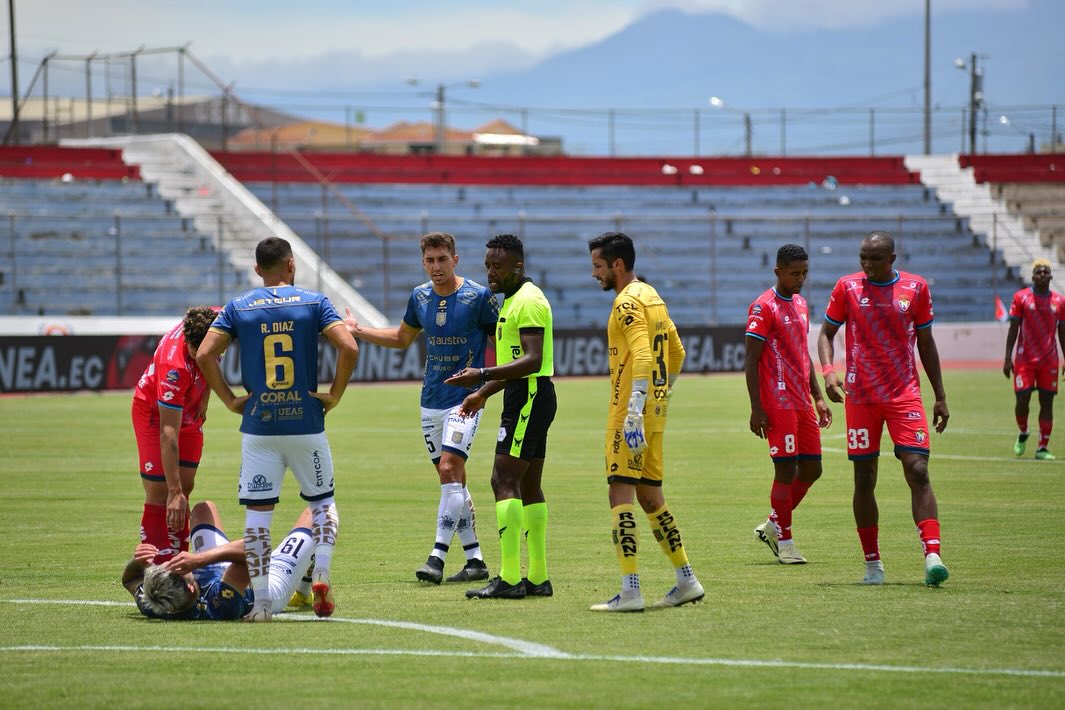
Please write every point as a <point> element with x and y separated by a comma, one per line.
<point>666,532</point>
<point>624,533</point>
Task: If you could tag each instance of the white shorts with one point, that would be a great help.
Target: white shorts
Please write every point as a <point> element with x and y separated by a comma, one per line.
<point>446,430</point>
<point>263,460</point>
<point>289,562</point>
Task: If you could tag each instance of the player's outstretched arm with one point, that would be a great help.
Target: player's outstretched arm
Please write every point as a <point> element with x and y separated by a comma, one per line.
<point>826,352</point>
<point>177,503</point>
<point>211,349</point>
<point>399,337</point>
<point>1011,340</point>
<point>185,562</point>
<point>926,346</point>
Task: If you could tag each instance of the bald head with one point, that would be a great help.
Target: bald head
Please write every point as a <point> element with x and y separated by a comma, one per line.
<point>879,240</point>
<point>877,255</point>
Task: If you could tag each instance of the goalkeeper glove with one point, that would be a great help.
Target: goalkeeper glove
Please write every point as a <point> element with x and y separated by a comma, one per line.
<point>634,436</point>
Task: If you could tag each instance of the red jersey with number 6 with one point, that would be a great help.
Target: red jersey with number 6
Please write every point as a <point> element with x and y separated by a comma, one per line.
<point>1039,316</point>
<point>882,321</point>
<point>784,368</point>
<point>172,380</point>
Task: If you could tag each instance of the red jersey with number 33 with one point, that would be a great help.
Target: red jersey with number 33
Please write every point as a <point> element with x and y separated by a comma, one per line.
<point>1039,316</point>
<point>784,368</point>
<point>172,380</point>
<point>882,321</point>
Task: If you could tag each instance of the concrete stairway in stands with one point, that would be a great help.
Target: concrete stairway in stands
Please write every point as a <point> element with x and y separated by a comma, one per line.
<point>987,214</point>
<point>222,207</point>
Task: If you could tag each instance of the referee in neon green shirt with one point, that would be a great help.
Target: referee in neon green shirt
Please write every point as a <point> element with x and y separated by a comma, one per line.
<point>524,365</point>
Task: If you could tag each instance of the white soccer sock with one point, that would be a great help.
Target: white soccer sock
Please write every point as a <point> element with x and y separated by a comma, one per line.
<point>257,551</point>
<point>684,574</point>
<point>325,522</point>
<point>447,517</point>
<point>630,584</point>
<point>467,527</point>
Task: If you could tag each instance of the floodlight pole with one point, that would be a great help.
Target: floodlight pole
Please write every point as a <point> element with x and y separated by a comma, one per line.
<point>14,70</point>
<point>927,77</point>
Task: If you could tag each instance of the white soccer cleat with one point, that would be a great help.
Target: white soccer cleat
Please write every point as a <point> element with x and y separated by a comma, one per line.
<point>874,573</point>
<point>935,572</point>
<point>788,555</point>
<point>767,533</point>
<point>679,595</point>
<point>623,602</point>
<point>261,611</point>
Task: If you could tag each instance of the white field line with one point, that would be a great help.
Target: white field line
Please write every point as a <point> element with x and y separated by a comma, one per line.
<point>664,660</point>
<point>525,650</point>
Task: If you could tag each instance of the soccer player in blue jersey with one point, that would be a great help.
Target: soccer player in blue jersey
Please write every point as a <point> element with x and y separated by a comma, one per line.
<point>284,414</point>
<point>458,317</point>
<point>210,582</point>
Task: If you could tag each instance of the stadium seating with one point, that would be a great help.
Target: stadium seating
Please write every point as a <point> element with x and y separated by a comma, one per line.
<point>708,249</point>
<point>103,247</point>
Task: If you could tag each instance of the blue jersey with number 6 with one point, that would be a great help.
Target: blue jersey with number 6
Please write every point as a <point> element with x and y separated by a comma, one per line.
<point>278,331</point>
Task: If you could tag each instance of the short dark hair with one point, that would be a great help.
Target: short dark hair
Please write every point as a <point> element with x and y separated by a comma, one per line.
<point>882,236</point>
<point>196,323</point>
<point>435,240</point>
<point>791,252</point>
<point>272,251</point>
<point>615,245</point>
<point>508,243</point>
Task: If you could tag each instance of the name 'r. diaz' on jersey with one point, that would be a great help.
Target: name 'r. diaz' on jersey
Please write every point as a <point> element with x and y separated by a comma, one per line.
<point>784,368</point>
<point>278,331</point>
<point>457,328</point>
<point>882,321</point>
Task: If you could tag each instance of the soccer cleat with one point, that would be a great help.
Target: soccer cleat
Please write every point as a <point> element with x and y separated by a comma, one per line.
<point>474,570</point>
<point>1020,444</point>
<point>300,601</point>
<point>498,588</point>
<point>680,595</point>
<point>432,571</point>
<point>260,612</point>
<point>630,602</point>
<point>766,532</point>
<point>935,572</point>
<point>543,589</point>
<point>874,573</point>
<point>324,605</point>
<point>1044,455</point>
<point>788,555</point>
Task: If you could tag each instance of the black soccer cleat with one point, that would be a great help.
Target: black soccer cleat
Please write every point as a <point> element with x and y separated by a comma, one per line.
<point>432,571</point>
<point>498,589</point>
<point>474,570</point>
<point>543,589</point>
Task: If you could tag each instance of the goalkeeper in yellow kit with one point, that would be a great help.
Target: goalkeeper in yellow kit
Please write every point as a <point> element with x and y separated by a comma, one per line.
<point>645,358</point>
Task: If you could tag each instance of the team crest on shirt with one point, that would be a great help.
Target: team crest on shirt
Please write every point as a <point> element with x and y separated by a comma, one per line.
<point>904,304</point>
<point>172,376</point>
<point>757,308</point>
<point>441,312</point>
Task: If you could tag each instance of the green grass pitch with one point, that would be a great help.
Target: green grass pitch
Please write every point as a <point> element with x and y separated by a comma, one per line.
<point>765,634</point>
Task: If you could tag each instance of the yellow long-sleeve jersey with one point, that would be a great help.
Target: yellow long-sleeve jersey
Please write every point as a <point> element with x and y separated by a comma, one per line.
<point>643,344</point>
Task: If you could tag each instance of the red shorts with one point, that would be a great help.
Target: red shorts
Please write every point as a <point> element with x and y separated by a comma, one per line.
<point>906,424</point>
<point>190,445</point>
<point>793,434</point>
<point>1029,377</point>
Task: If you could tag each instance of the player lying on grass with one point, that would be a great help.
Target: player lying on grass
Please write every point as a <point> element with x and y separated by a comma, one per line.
<point>211,583</point>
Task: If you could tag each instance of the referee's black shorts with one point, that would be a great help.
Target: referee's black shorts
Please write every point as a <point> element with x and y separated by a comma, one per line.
<point>528,409</point>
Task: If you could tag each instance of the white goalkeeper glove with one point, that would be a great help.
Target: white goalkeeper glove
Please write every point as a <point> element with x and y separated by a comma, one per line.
<point>634,436</point>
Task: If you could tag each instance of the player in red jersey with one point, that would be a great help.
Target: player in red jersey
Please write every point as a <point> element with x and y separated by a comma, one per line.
<point>169,408</point>
<point>1035,315</point>
<point>780,383</point>
<point>886,311</point>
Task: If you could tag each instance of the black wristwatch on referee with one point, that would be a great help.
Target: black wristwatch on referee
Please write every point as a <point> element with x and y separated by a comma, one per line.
<point>484,375</point>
